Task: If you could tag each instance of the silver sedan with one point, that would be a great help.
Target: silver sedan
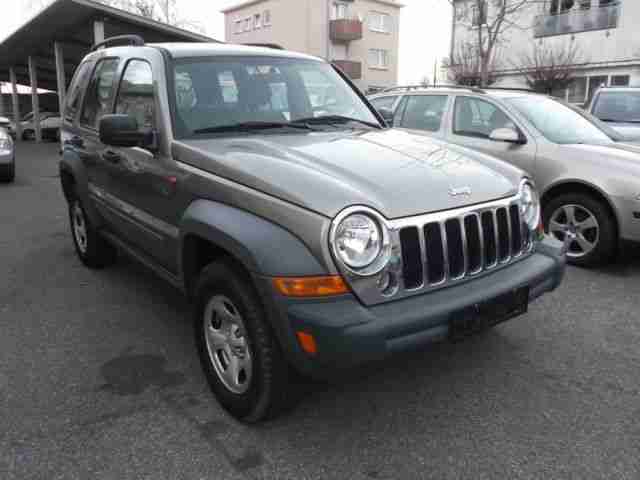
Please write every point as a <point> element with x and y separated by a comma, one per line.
<point>588,176</point>
<point>7,157</point>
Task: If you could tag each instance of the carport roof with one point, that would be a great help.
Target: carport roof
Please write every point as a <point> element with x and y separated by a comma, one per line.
<point>71,23</point>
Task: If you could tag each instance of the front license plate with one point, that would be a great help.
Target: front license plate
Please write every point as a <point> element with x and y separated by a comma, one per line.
<point>481,316</point>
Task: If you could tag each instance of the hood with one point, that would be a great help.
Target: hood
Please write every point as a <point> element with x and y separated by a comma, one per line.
<point>630,131</point>
<point>392,171</point>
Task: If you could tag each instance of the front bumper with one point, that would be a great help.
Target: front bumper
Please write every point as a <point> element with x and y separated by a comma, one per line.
<point>6,158</point>
<point>348,333</point>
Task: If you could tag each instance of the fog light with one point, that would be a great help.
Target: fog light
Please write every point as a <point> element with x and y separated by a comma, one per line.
<point>307,342</point>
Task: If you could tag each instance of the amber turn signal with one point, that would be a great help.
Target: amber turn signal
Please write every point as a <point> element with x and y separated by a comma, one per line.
<point>307,342</point>
<point>310,286</point>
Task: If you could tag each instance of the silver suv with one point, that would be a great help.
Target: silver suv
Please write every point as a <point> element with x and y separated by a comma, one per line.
<point>306,233</point>
<point>587,173</point>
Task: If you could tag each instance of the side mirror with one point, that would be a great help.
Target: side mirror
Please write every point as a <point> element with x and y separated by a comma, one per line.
<point>508,135</point>
<point>387,115</point>
<point>122,131</point>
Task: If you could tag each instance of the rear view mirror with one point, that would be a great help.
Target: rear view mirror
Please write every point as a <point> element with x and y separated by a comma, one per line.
<point>508,135</point>
<point>387,115</point>
<point>123,131</point>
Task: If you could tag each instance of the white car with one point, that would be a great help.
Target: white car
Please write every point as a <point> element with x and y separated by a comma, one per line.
<point>7,156</point>
<point>49,124</point>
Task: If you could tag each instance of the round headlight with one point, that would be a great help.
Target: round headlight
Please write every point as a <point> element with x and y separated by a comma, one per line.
<point>529,205</point>
<point>358,240</point>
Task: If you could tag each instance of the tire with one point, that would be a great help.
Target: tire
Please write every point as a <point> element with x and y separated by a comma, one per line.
<point>591,246</point>
<point>28,135</point>
<point>262,392</point>
<point>7,173</point>
<point>92,249</point>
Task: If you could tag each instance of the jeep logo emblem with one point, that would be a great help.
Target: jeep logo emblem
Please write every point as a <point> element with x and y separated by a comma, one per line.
<point>457,192</point>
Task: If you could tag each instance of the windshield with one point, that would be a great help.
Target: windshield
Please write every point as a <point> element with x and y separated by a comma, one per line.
<point>561,123</point>
<point>618,107</point>
<point>218,93</point>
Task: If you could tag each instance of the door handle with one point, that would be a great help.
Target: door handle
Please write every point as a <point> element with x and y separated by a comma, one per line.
<point>111,157</point>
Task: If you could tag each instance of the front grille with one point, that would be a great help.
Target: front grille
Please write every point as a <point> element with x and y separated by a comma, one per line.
<point>442,248</point>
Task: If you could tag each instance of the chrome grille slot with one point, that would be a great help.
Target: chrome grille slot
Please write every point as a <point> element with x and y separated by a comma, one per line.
<point>445,247</point>
<point>435,253</point>
<point>411,259</point>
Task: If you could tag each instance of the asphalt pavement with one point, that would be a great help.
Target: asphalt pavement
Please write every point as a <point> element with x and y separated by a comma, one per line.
<point>99,379</point>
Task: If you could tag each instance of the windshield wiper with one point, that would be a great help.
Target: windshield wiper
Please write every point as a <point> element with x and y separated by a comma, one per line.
<point>334,119</point>
<point>613,120</point>
<point>251,126</point>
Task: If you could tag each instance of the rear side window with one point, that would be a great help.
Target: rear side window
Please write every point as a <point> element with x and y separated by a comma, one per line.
<point>477,118</point>
<point>135,96</point>
<point>74,93</point>
<point>424,112</point>
<point>97,101</point>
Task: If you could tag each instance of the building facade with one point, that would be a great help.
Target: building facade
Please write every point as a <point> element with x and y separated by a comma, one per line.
<point>360,36</point>
<point>605,33</point>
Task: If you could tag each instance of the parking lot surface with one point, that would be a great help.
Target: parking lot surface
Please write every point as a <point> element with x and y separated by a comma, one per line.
<point>99,379</point>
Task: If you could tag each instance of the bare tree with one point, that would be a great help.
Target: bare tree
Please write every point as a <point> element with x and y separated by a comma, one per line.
<point>489,20</point>
<point>546,68</point>
<point>464,68</point>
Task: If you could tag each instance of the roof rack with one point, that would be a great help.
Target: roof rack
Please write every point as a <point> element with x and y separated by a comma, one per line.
<point>406,88</point>
<point>274,46</point>
<point>513,89</point>
<point>135,40</point>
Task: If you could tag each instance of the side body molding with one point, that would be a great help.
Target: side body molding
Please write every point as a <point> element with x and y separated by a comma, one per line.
<point>263,247</point>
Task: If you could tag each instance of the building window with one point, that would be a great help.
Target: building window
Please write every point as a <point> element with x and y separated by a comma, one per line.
<point>266,18</point>
<point>238,26</point>
<point>620,80</point>
<point>379,22</point>
<point>247,24</point>
<point>479,14</point>
<point>339,11</point>
<point>378,58</point>
<point>257,21</point>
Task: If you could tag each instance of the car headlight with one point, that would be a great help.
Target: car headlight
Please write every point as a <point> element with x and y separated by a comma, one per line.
<point>360,241</point>
<point>529,205</point>
<point>5,145</point>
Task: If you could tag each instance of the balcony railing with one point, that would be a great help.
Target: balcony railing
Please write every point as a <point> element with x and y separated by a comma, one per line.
<point>578,20</point>
<point>345,30</point>
<point>351,68</point>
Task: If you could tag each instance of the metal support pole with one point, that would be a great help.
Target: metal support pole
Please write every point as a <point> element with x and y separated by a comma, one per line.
<point>98,31</point>
<point>2,106</point>
<point>60,75</point>
<point>16,103</point>
<point>35,100</point>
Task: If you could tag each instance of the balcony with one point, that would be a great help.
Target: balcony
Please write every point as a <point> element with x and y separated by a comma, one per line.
<point>578,20</point>
<point>345,30</point>
<point>352,69</point>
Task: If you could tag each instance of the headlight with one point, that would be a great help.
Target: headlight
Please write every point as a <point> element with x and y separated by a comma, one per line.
<point>5,144</point>
<point>358,240</point>
<point>529,205</point>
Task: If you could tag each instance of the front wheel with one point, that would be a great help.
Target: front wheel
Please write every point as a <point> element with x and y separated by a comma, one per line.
<point>586,224</point>
<point>239,353</point>
<point>94,251</point>
<point>7,173</point>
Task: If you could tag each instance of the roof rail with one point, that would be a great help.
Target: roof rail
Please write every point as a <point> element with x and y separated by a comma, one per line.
<point>135,40</point>
<point>460,87</point>
<point>513,89</point>
<point>401,87</point>
<point>274,46</point>
<point>408,88</point>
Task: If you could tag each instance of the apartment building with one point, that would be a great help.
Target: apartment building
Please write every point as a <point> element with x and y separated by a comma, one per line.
<point>605,33</point>
<point>360,36</point>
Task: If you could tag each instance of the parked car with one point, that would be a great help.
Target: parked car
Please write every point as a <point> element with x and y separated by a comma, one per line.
<point>619,107</point>
<point>305,240</point>
<point>50,123</point>
<point>7,156</point>
<point>588,175</point>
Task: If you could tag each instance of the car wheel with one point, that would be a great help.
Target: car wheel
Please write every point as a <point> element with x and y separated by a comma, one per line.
<point>586,224</point>
<point>240,355</point>
<point>28,135</point>
<point>94,251</point>
<point>7,173</point>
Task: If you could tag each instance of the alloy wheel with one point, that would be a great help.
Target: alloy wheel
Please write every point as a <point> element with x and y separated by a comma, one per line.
<point>578,227</point>
<point>79,227</point>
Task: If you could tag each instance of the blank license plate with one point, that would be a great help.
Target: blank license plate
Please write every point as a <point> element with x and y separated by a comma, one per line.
<point>481,316</point>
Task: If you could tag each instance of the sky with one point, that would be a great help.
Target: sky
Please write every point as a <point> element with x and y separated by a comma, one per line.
<point>425,27</point>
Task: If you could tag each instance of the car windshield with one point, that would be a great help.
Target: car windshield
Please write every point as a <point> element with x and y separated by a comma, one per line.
<point>561,123</point>
<point>256,94</point>
<point>618,107</point>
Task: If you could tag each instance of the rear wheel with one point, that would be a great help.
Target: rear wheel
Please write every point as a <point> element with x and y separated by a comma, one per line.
<point>94,251</point>
<point>586,224</point>
<point>7,173</point>
<point>28,135</point>
<point>240,355</point>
